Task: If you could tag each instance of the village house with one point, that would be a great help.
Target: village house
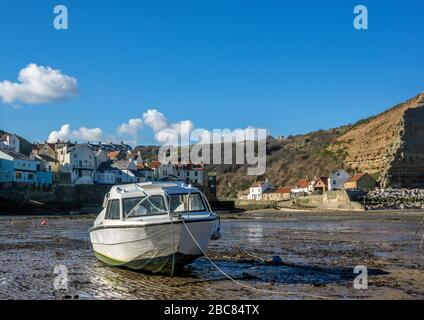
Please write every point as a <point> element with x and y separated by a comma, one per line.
<point>280,194</point>
<point>16,167</point>
<point>100,156</point>
<point>301,188</point>
<point>337,180</point>
<point>361,181</point>
<point>47,163</point>
<point>119,172</point>
<point>79,160</point>
<point>48,149</point>
<point>10,141</point>
<point>319,185</point>
<point>145,172</point>
<point>190,173</point>
<point>257,190</point>
<point>164,171</point>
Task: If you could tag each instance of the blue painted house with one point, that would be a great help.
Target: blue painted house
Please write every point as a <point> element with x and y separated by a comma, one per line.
<point>16,167</point>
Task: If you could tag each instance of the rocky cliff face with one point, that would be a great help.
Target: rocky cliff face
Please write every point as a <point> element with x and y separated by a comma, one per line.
<point>389,146</point>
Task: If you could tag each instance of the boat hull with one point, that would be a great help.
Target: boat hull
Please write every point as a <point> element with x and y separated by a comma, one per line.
<point>152,247</point>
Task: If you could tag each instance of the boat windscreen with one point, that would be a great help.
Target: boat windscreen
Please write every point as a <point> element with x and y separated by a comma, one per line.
<point>143,206</point>
<point>129,203</point>
<point>186,203</point>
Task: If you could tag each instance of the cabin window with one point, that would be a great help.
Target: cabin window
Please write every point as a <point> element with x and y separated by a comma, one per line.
<point>113,210</point>
<point>149,206</point>
<point>179,203</point>
<point>130,203</point>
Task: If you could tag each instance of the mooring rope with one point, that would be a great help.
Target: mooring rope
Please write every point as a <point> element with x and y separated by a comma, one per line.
<point>173,239</point>
<point>416,232</point>
<point>245,285</point>
<point>222,271</point>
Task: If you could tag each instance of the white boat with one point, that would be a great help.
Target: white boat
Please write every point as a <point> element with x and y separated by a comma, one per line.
<point>156,227</point>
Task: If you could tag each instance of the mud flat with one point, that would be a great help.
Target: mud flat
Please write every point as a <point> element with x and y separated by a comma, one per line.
<point>318,252</point>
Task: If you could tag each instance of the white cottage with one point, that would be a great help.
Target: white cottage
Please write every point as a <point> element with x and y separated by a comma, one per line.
<point>257,190</point>
<point>337,180</point>
<point>10,141</point>
<point>79,160</point>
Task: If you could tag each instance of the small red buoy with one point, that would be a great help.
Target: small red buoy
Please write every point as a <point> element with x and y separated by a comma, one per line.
<point>43,222</point>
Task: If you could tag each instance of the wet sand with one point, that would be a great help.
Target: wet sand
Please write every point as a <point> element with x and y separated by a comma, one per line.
<point>319,252</point>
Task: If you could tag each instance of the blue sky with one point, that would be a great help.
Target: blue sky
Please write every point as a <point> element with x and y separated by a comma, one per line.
<point>290,67</point>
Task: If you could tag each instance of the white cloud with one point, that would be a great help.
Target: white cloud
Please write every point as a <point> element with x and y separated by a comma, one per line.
<point>38,84</point>
<point>155,120</point>
<point>131,128</point>
<point>181,132</point>
<point>163,128</point>
<point>81,134</point>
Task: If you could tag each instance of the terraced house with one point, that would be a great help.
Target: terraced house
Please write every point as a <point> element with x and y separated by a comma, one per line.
<point>16,167</point>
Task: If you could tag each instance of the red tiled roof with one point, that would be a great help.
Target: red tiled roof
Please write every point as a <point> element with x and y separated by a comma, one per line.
<point>113,154</point>
<point>356,177</point>
<point>303,183</point>
<point>154,164</point>
<point>283,190</point>
<point>140,166</point>
<point>257,184</point>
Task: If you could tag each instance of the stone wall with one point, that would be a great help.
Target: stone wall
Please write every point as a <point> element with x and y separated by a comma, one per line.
<point>58,197</point>
<point>380,199</point>
<point>330,200</point>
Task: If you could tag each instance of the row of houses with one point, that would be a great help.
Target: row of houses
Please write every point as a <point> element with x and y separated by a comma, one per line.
<point>339,180</point>
<point>90,163</point>
<point>16,167</point>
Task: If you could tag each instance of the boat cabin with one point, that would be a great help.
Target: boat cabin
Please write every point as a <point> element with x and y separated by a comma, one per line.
<point>135,201</point>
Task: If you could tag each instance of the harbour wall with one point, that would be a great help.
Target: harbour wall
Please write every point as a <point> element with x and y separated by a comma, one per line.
<point>330,200</point>
<point>54,197</point>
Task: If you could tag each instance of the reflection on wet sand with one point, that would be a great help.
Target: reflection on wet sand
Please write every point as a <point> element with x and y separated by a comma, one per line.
<point>319,253</point>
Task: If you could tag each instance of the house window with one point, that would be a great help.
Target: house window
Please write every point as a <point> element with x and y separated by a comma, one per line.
<point>18,176</point>
<point>334,182</point>
<point>75,155</point>
<point>24,165</point>
<point>30,176</point>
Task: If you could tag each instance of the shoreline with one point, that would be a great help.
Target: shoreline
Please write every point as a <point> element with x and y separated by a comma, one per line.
<point>230,215</point>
